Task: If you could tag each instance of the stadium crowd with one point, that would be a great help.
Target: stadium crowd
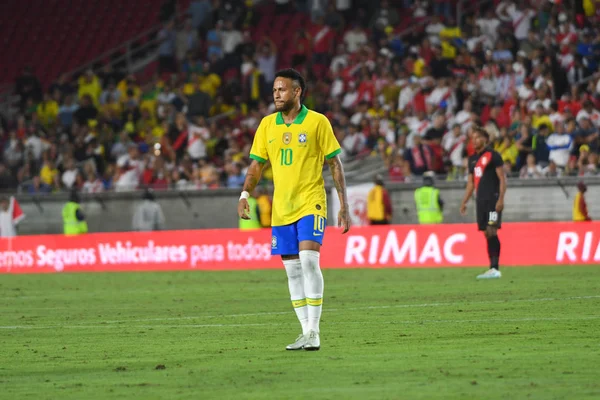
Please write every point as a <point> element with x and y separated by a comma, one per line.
<point>525,71</point>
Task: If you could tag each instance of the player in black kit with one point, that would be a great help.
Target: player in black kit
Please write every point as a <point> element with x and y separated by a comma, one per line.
<point>486,177</point>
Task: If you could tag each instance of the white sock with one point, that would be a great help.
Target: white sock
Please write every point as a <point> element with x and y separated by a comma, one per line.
<point>293,268</point>
<point>313,287</point>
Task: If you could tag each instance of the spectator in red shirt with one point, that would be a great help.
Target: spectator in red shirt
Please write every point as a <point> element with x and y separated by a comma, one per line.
<point>302,48</point>
<point>397,168</point>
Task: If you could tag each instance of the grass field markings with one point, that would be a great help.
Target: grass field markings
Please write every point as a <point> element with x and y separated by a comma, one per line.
<point>424,305</point>
<point>401,322</point>
<point>327,310</point>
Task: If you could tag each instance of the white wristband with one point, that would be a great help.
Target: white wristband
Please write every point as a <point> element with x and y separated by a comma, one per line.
<point>244,195</point>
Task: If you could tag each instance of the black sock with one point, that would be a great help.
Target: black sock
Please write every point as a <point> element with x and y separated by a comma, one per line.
<point>493,246</point>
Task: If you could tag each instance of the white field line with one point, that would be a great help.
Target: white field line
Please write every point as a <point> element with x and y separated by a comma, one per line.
<point>327,310</point>
<point>403,322</point>
<point>335,310</point>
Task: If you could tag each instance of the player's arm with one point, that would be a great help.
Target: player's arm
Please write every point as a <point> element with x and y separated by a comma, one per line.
<point>499,164</point>
<point>259,156</point>
<point>470,187</point>
<point>253,175</point>
<point>331,149</point>
<point>468,193</point>
<point>339,180</point>
<point>252,178</point>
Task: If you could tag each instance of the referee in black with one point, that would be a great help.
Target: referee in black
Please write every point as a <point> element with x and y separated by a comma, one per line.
<point>486,178</point>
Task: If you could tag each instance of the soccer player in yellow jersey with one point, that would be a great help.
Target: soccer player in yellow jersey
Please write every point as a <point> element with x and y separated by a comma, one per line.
<point>297,142</point>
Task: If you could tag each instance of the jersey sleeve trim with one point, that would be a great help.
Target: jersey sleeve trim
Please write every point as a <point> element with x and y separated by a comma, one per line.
<point>257,158</point>
<point>333,154</point>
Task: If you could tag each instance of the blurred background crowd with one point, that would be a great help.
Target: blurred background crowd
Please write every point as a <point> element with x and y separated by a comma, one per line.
<point>402,82</point>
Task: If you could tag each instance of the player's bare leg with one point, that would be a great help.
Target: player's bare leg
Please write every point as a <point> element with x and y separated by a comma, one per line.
<point>493,246</point>
<point>313,289</point>
<point>293,269</point>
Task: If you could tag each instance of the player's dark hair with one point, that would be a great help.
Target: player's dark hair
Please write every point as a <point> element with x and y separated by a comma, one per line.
<point>295,76</point>
<point>480,131</point>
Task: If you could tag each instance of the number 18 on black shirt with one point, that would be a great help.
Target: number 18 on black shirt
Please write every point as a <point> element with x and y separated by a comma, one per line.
<point>486,183</point>
<point>486,178</point>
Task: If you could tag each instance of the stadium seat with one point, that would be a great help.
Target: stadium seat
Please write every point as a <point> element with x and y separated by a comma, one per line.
<point>52,24</point>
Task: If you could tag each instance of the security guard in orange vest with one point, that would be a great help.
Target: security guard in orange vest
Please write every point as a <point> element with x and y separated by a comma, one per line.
<point>379,206</point>
<point>580,212</point>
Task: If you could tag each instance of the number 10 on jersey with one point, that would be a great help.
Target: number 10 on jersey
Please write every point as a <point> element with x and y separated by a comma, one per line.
<point>286,156</point>
<point>319,224</point>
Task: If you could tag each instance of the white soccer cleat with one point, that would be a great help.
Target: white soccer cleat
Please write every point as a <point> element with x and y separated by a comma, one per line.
<point>490,274</point>
<point>312,342</point>
<point>298,344</point>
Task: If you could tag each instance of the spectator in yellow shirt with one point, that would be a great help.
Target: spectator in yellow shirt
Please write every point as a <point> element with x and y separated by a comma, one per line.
<point>418,66</point>
<point>209,82</point>
<point>146,121</point>
<point>541,118</point>
<point>451,32</point>
<point>376,110</point>
<point>47,111</point>
<point>159,130</point>
<point>125,85</point>
<point>508,149</point>
<point>191,86</point>
<point>112,109</point>
<point>89,84</point>
<point>49,173</point>
<point>448,50</point>
<point>220,107</point>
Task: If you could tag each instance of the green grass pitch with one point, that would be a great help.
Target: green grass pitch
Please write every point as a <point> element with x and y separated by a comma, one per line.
<point>386,334</point>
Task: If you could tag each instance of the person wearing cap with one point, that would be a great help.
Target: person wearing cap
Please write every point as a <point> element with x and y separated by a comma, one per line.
<point>149,215</point>
<point>580,211</point>
<point>429,204</point>
<point>74,222</point>
<point>379,205</point>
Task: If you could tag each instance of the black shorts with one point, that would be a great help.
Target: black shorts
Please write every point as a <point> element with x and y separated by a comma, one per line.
<point>487,214</point>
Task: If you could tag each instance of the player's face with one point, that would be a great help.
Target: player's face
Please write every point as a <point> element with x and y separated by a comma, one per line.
<point>479,141</point>
<point>284,94</point>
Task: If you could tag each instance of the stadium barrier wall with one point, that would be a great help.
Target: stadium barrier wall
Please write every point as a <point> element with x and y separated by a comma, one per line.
<point>526,200</point>
<point>396,246</point>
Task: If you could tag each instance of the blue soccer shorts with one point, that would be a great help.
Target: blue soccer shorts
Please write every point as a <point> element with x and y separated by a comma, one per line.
<point>286,238</point>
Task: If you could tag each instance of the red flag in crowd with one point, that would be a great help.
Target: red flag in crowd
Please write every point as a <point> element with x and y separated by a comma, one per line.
<point>17,213</point>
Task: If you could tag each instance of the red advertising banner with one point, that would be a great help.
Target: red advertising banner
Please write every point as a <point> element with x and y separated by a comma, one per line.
<point>398,246</point>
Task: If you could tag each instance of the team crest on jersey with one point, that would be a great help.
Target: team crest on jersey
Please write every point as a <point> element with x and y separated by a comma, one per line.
<point>287,138</point>
<point>274,242</point>
<point>302,138</point>
<point>484,161</point>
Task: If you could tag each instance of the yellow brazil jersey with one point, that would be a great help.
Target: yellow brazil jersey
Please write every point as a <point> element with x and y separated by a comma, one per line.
<point>297,153</point>
<point>536,121</point>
